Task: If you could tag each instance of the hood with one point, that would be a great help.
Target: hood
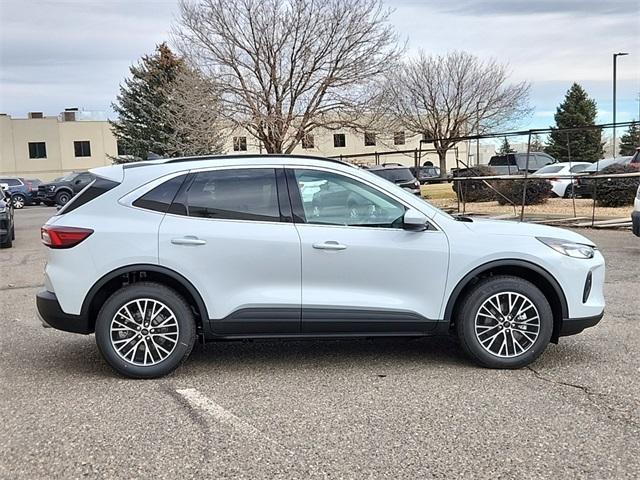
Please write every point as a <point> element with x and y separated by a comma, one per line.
<point>524,229</point>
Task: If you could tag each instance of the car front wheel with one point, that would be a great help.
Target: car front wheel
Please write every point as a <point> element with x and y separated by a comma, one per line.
<point>504,322</point>
<point>62,198</point>
<point>145,330</point>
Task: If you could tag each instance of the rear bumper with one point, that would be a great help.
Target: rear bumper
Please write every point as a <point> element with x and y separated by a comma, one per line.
<point>635,218</point>
<point>52,315</point>
<point>572,326</point>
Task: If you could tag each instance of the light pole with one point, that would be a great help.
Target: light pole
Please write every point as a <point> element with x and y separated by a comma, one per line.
<point>615,61</point>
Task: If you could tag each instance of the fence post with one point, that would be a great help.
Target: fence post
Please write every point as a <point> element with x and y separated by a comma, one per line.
<point>526,178</point>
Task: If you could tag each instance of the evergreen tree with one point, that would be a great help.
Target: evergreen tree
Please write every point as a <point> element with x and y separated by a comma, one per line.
<point>537,145</point>
<point>630,140</point>
<point>577,110</point>
<point>142,102</point>
<point>505,147</point>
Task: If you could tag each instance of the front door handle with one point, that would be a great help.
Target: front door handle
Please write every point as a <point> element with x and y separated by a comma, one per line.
<point>188,240</point>
<point>329,245</point>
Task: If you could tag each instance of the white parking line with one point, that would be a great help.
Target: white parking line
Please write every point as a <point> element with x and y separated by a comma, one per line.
<point>222,415</point>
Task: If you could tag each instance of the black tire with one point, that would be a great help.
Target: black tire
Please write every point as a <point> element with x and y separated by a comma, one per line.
<point>13,232</point>
<point>8,243</point>
<point>62,198</point>
<point>19,201</point>
<point>49,204</point>
<point>466,323</point>
<point>186,335</point>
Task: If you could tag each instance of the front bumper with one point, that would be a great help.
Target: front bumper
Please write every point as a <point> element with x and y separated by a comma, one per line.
<point>51,314</point>
<point>45,195</point>
<point>635,218</point>
<point>573,326</point>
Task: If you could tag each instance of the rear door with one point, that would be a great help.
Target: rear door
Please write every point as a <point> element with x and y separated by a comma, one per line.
<point>362,273</point>
<point>230,232</point>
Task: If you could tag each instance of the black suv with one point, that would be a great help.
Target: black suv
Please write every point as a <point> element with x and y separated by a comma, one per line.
<point>61,190</point>
<point>7,228</point>
<point>427,174</point>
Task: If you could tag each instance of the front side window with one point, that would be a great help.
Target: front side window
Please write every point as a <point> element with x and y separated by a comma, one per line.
<point>238,194</point>
<point>239,144</point>
<point>82,148</point>
<point>333,199</point>
<point>37,150</point>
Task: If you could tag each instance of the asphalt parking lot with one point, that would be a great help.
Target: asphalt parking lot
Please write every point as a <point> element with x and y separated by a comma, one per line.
<point>337,409</point>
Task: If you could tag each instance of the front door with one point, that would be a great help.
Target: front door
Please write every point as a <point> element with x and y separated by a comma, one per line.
<point>226,231</point>
<point>362,272</point>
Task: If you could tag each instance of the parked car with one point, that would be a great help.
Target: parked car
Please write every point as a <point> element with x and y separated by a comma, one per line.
<point>61,190</point>
<point>401,176</point>
<point>7,227</point>
<point>562,187</point>
<point>635,215</point>
<point>153,255</point>
<point>427,174</point>
<point>583,186</point>
<point>20,190</point>
<point>516,163</point>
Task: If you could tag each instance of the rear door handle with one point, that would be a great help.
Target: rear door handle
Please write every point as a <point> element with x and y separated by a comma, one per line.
<point>188,240</point>
<point>329,245</point>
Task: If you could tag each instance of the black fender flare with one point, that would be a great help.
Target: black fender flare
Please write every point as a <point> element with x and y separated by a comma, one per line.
<point>453,298</point>
<point>88,299</point>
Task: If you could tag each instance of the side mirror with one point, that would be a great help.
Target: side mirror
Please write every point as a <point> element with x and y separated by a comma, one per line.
<point>414,220</point>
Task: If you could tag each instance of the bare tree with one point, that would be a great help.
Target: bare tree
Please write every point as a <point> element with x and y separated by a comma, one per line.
<point>444,97</point>
<point>192,115</point>
<point>286,67</point>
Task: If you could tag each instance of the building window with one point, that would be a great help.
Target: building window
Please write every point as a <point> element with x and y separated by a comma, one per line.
<point>369,139</point>
<point>82,148</point>
<point>37,150</point>
<point>239,144</point>
<point>307,141</point>
<point>398,138</point>
<point>339,140</point>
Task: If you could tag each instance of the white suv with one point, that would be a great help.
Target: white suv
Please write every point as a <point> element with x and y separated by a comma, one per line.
<point>152,255</point>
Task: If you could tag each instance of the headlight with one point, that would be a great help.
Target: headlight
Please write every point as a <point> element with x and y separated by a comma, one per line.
<point>51,188</point>
<point>568,248</point>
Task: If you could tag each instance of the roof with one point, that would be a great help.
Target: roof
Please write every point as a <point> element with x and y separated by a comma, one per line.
<point>245,157</point>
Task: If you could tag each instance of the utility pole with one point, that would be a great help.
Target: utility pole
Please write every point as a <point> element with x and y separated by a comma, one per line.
<point>615,61</point>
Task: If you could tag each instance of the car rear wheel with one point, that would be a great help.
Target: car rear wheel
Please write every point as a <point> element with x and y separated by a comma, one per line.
<point>145,330</point>
<point>504,322</point>
<point>19,201</point>
<point>8,243</point>
<point>62,198</point>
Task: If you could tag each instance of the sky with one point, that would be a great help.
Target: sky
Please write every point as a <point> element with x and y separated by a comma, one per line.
<point>56,54</point>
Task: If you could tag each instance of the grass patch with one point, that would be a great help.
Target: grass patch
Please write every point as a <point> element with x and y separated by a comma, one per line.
<point>438,191</point>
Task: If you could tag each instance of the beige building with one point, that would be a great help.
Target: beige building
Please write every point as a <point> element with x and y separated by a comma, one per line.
<point>48,147</point>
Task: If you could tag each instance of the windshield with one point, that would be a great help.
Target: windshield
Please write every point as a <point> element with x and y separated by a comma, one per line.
<point>67,178</point>
<point>395,174</point>
<point>549,169</point>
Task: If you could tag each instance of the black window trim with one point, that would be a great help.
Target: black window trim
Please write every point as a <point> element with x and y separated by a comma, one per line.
<point>298,209</point>
<point>80,143</point>
<point>35,144</point>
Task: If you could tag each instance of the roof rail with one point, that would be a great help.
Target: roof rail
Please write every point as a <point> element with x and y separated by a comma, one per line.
<point>214,157</point>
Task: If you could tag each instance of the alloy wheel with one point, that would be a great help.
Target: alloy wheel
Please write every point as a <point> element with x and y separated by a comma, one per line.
<point>507,324</point>
<point>18,202</point>
<point>144,332</point>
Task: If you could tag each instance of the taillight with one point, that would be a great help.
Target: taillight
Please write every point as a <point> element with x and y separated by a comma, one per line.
<point>63,237</point>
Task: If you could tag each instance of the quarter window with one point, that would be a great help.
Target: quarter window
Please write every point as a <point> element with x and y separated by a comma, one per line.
<point>37,150</point>
<point>331,199</point>
<point>242,194</point>
<point>82,148</point>
<point>159,199</point>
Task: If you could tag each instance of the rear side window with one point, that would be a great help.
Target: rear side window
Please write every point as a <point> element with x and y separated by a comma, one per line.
<point>502,160</point>
<point>395,174</point>
<point>92,191</point>
<point>242,194</point>
<point>159,199</point>
<point>550,169</point>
